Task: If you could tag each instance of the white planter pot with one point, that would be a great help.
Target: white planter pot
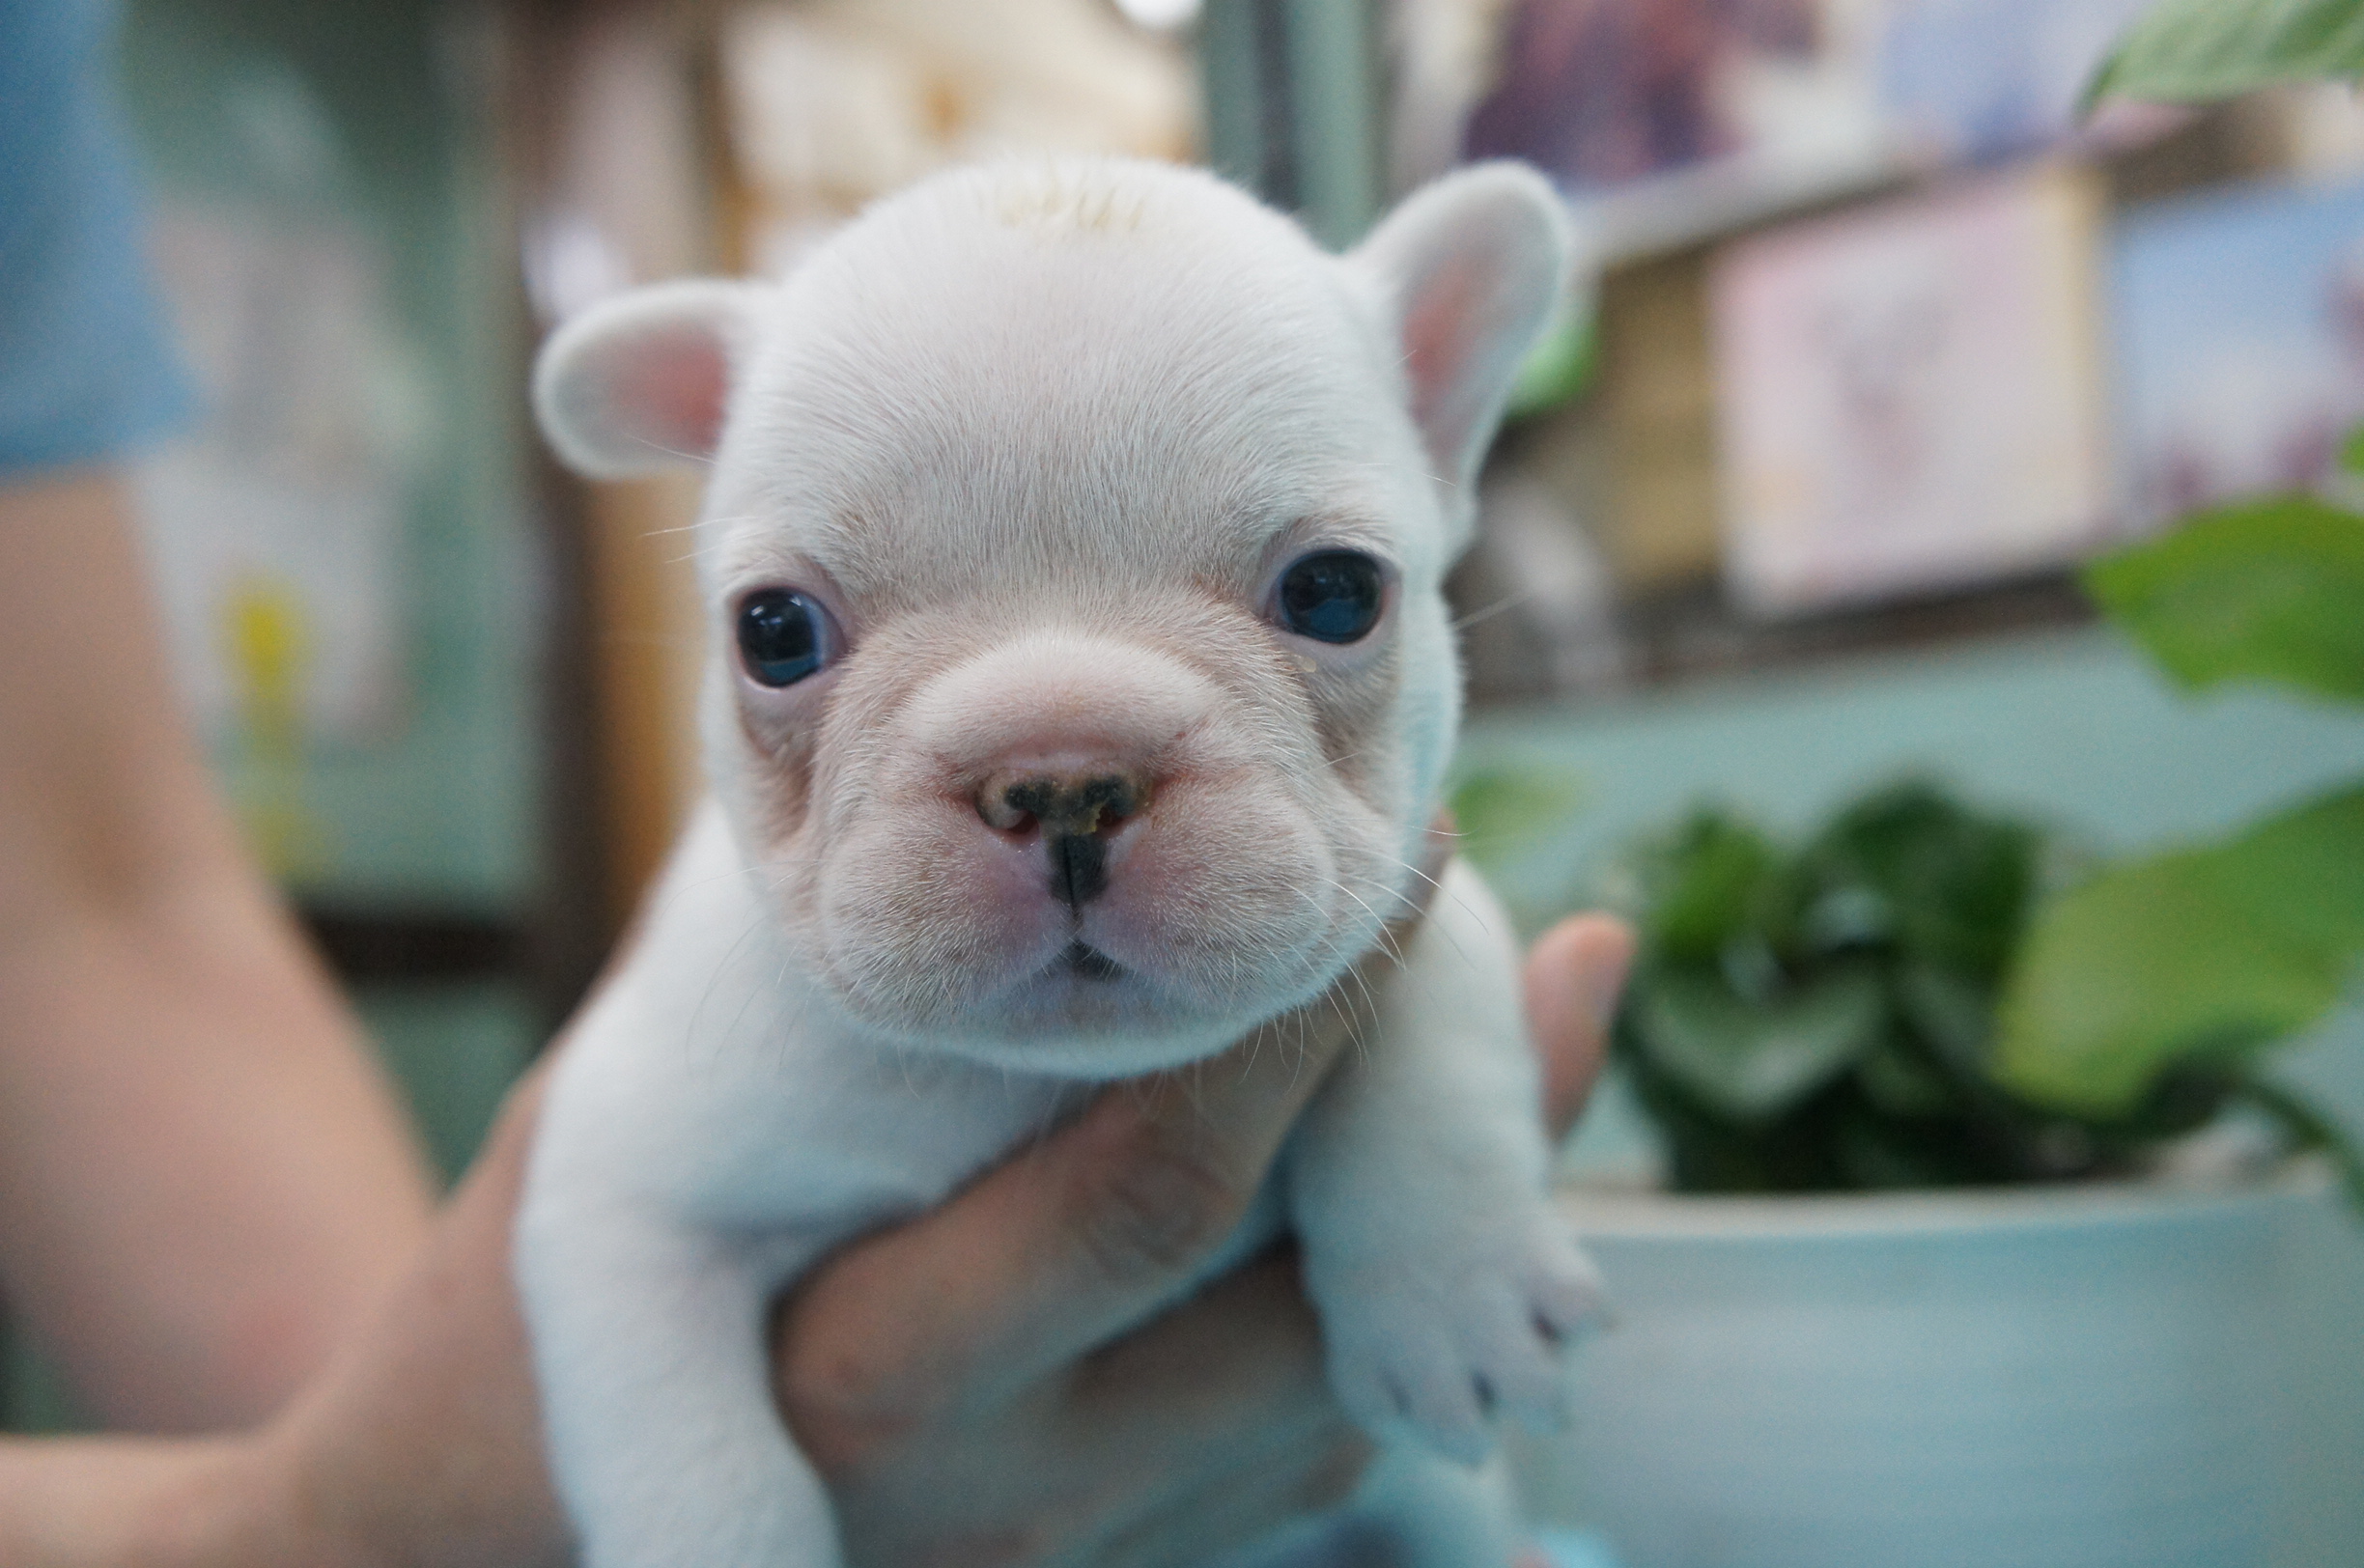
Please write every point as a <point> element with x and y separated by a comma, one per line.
<point>2058,1378</point>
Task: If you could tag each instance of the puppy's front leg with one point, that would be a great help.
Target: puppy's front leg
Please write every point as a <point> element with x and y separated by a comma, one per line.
<point>649,1347</point>
<point>1417,1183</point>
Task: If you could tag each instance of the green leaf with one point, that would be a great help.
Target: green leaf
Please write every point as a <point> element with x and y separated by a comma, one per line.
<point>1498,812</point>
<point>2267,591</point>
<point>2206,954</point>
<point>2310,1128</point>
<point>1900,1082</point>
<point>1707,1152</point>
<point>2351,451</point>
<point>1702,887</point>
<point>1955,883</point>
<point>1558,368</point>
<point>1750,1062</point>
<point>1876,1153</point>
<point>2189,51</point>
<point>1954,1014</point>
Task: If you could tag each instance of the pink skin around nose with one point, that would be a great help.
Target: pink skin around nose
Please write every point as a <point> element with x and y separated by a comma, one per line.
<point>1066,824</point>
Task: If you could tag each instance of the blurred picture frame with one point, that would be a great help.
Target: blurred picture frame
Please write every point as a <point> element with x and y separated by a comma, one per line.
<point>1669,120</point>
<point>2239,321</point>
<point>1911,397</point>
<point>276,525</point>
<point>1979,80</point>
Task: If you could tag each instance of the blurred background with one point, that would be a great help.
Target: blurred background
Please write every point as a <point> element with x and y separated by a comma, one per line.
<point>1877,340</point>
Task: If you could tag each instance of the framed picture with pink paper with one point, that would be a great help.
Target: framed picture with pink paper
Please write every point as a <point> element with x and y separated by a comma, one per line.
<point>1911,397</point>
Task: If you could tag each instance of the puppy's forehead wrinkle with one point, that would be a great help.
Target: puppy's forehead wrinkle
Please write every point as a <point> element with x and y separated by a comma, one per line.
<point>1067,542</point>
<point>990,520</point>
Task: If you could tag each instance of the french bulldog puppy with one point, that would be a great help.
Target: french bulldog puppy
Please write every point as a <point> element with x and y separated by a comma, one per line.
<point>1080,692</point>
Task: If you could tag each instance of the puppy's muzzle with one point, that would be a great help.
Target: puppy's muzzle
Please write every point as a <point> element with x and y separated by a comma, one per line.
<point>1076,814</point>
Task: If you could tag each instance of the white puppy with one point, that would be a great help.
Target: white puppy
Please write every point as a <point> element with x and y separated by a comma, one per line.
<point>1081,687</point>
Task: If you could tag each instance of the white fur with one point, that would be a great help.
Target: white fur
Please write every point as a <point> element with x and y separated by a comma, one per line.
<point>1042,439</point>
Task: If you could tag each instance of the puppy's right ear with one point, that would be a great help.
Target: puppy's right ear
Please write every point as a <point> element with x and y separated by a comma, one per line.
<point>1469,271</point>
<point>639,383</point>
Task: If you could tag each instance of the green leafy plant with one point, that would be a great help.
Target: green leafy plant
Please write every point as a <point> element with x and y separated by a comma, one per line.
<point>1821,1015</point>
<point>1925,994</point>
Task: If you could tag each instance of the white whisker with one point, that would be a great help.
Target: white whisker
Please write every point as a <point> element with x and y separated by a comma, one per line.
<point>1499,607</point>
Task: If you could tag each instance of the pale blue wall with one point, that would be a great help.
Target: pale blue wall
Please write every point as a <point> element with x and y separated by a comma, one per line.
<point>2071,726</point>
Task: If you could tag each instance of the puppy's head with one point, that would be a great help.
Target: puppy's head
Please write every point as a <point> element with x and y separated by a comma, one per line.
<point>1081,679</point>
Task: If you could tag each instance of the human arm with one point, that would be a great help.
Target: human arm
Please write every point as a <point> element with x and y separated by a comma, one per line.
<point>205,1179</point>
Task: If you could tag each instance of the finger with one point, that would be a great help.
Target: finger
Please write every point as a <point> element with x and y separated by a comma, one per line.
<point>1248,1499</point>
<point>1241,1357</point>
<point>1223,1419</point>
<point>1246,1353</point>
<point>1218,1404</point>
<point>1575,972</point>
<point>1052,1253</point>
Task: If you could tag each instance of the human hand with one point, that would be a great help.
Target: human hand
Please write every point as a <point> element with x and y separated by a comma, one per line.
<point>954,1381</point>
<point>952,1377</point>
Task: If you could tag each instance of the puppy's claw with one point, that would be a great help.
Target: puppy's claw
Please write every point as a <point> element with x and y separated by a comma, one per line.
<point>1571,1303</point>
<point>1447,1349</point>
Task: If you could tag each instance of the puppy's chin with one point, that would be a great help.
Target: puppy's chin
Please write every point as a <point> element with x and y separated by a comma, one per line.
<point>1129,986</point>
<point>1075,1011</point>
<point>1084,1017</point>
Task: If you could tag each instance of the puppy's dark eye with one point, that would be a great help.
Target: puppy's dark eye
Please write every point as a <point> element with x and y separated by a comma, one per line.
<point>1333,596</point>
<point>782,636</point>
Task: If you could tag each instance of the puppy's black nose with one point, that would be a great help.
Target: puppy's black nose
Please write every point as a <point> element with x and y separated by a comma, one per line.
<point>1076,815</point>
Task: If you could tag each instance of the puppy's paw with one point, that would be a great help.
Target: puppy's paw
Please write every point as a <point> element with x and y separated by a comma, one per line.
<point>1436,1341</point>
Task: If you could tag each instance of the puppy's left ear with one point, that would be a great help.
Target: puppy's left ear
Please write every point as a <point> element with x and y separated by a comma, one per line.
<point>1469,271</point>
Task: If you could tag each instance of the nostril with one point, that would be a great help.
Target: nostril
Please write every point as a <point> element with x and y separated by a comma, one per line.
<point>1004,806</point>
<point>1041,798</point>
<point>1063,806</point>
<point>1105,802</point>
